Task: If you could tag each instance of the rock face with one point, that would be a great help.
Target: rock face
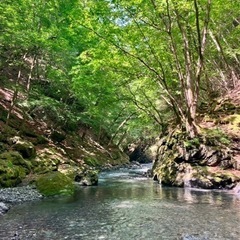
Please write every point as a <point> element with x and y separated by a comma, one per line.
<point>198,163</point>
<point>139,152</point>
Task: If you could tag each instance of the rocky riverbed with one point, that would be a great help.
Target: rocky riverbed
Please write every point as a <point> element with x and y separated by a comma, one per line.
<point>11,196</point>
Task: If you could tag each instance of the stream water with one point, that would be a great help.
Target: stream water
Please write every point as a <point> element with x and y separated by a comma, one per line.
<point>126,206</point>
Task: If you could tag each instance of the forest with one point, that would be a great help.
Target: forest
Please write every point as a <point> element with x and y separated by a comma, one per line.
<point>114,73</point>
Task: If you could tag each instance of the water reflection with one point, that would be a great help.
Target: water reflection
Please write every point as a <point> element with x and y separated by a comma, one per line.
<point>126,206</point>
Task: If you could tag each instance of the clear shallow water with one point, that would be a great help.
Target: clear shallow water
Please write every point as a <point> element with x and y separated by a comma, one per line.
<point>126,206</point>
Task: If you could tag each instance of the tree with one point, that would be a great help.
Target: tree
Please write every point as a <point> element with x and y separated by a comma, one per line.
<point>131,65</point>
<point>166,40</point>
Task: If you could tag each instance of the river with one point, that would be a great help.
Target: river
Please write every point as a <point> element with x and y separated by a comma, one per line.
<point>127,206</point>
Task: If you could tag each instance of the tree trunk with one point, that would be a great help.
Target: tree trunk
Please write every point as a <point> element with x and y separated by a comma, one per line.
<point>14,98</point>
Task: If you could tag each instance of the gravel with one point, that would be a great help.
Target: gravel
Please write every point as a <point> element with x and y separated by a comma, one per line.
<point>11,196</point>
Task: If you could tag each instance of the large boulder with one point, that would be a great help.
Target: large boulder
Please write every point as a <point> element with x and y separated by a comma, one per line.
<point>55,183</point>
<point>194,163</point>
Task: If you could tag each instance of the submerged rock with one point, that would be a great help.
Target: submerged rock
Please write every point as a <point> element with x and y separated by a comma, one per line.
<point>194,237</point>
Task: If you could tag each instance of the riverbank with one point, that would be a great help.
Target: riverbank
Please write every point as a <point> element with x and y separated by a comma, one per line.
<point>34,145</point>
<point>17,195</point>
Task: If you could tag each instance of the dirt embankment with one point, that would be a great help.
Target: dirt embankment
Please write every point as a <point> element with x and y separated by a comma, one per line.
<point>33,142</point>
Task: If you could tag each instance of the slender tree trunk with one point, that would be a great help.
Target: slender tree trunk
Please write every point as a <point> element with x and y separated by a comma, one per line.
<point>234,77</point>
<point>120,127</point>
<point>28,86</point>
<point>122,138</point>
<point>14,98</point>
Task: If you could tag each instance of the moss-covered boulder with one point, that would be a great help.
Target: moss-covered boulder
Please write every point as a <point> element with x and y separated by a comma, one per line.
<point>26,148</point>
<point>203,162</point>
<point>13,169</point>
<point>55,183</point>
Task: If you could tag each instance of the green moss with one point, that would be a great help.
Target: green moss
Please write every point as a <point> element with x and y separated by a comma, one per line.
<point>233,121</point>
<point>6,133</point>
<point>55,183</point>
<point>92,162</point>
<point>11,175</point>
<point>28,132</point>
<point>14,158</point>
<point>41,140</point>
<point>215,136</point>
<point>13,169</point>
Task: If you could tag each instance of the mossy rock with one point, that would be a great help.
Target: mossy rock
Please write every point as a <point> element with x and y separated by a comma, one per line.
<point>45,166</point>
<point>167,171</point>
<point>15,158</point>
<point>13,169</point>
<point>26,149</point>
<point>89,177</point>
<point>55,183</point>
<point>28,132</point>
<point>215,137</point>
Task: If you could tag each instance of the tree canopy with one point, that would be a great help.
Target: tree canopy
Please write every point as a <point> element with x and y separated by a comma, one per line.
<point>130,68</point>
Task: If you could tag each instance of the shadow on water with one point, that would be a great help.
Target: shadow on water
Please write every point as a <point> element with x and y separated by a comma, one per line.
<point>127,206</point>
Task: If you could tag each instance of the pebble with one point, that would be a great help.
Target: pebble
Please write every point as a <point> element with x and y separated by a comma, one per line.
<point>10,196</point>
<point>3,208</point>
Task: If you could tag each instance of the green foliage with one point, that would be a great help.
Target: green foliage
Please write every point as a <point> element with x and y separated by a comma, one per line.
<point>120,67</point>
<point>191,143</point>
<point>62,115</point>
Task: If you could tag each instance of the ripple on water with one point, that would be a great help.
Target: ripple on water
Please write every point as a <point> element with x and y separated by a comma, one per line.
<point>119,209</point>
